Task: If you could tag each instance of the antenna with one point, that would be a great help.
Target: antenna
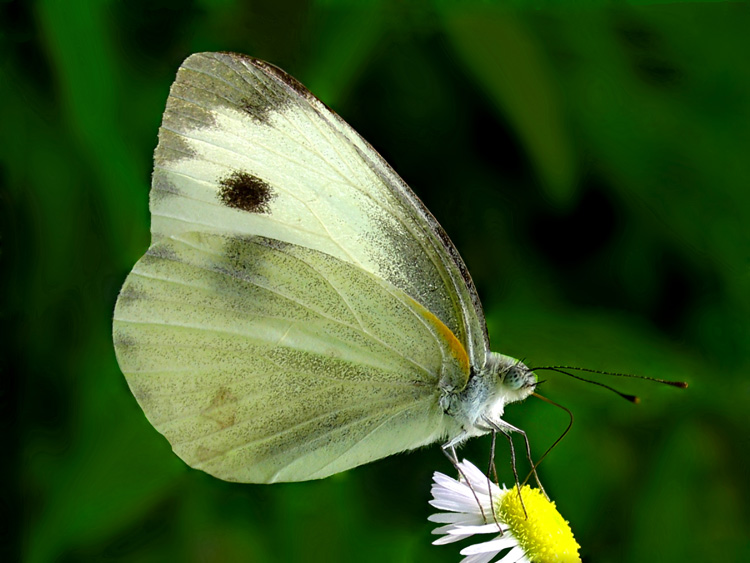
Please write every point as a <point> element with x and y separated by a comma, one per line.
<point>680,384</point>
<point>631,398</point>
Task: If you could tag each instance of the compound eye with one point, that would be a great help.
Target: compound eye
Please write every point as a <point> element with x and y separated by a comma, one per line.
<point>514,378</point>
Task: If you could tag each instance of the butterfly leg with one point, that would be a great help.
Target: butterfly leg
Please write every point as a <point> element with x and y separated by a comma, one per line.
<point>505,429</point>
<point>512,428</point>
<point>493,469</point>
<point>449,449</point>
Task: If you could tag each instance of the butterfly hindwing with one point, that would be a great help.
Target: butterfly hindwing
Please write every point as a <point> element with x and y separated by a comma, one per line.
<point>263,361</point>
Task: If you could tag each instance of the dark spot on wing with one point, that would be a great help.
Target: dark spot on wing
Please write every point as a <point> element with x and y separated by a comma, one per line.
<point>183,115</point>
<point>172,147</point>
<point>123,340</point>
<point>215,411</point>
<point>131,292</point>
<point>243,255</point>
<point>222,397</point>
<point>141,394</point>
<point>202,453</point>
<point>246,192</point>
<point>162,187</point>
<point>257,107</point>
<point>161,251</point>
<point>273,243</point>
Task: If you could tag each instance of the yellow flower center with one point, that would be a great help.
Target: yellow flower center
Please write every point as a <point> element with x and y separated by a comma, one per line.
<point>545,535</point>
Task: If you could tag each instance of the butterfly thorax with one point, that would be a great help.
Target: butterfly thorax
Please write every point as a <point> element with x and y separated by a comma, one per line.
<point>502,380</point>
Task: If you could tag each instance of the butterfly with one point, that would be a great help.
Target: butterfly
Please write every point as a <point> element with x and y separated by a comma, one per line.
<point>299,311</point>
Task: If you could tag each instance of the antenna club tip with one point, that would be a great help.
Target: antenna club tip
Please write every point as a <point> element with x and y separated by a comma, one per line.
<point>632,398</point>
<point>678,384</point>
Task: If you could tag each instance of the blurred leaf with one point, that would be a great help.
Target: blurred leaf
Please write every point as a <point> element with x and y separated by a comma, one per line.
<point>86,73</point>
<point>692,460</point>
<point>333,71</point>
<point>640,97</point>
<point>573,5</point>
<point>114,471</point>
<point>507,62</point>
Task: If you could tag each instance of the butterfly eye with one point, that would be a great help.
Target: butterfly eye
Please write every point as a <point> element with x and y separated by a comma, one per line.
<point>514,378</point>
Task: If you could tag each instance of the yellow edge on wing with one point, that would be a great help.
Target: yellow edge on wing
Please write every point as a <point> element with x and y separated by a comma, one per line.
<point>454,346</point>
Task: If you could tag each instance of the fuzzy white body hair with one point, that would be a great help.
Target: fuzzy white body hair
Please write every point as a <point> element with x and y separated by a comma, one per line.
<point>475,410</point>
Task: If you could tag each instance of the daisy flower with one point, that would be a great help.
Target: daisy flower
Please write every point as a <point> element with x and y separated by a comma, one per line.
<point>542,537</point>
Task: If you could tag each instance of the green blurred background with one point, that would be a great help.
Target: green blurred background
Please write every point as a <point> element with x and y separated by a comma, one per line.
<point>592,165</point>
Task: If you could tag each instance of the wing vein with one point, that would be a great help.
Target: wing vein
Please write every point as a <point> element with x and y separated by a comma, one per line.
<point>362,439</point>
<point>298,425</point>
<point>362,328</point>
<point>315,311</point>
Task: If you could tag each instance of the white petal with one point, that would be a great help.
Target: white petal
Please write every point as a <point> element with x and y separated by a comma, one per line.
<point>479,558</point>
<point>441,477</point>
<point>456,505</point>
<point>446,485</point>
<point>449,539</point>
<point>443,480</point>
<point>494,546</point>
<point>463,492</point>
<point>479,481</point>
<point>460,518</point>
<point>481,529</point>
<point>475,479</point>
<point>471,471</point>
<point>484,487</point>
<point>448,529</point>
<point>460,499</point>
<point>515,555</point>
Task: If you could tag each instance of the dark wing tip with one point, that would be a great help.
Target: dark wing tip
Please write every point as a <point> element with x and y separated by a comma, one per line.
<point>268,69</point>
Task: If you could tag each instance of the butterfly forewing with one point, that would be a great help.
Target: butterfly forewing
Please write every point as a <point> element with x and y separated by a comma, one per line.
<point>245,149</point>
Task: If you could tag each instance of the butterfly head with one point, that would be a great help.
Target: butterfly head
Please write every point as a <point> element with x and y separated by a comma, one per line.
<point>516,380</point>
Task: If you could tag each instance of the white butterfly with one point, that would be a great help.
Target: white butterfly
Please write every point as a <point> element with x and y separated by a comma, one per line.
<point>299,312</point>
